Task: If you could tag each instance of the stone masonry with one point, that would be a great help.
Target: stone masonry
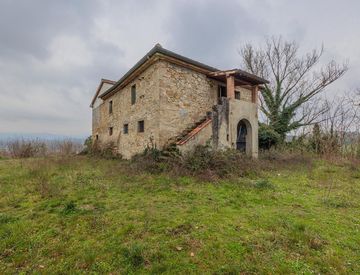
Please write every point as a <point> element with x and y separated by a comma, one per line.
<point>171,97</point>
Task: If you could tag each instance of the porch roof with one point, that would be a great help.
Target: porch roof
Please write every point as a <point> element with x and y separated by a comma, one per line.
<point>241,77</point>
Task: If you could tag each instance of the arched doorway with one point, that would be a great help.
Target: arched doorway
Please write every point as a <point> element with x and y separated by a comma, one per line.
<point>244,142</point>
<point>241,136</point>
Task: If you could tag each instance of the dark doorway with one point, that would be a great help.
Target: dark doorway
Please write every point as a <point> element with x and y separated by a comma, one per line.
<point>241,136</point>
<point>222,91</point>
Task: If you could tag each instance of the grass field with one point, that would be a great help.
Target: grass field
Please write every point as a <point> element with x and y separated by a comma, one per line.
<point>85,215</point>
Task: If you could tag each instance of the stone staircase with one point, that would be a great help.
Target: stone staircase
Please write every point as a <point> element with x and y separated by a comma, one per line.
<point>184,135</point>
<point>171,149</point>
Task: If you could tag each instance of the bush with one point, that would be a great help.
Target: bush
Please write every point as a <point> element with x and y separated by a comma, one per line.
<point>3,154</point>
<point>213,164</point>
<point>108,151</point>
<point>68,147</point>
<point>264,184</point>
<point>93,148</point>
<point>21,148</point>
<point>208,164</point>
<point>153,160</point>
<point>26,149</point>
<point>88,146</point>
<point>268,137</point>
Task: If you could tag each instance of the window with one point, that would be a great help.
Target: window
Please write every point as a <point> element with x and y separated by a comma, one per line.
<point>141,126</point>
<point>133,94</point>
<point>110,107</point>
<point>222,91</point>
<point>237,95</point>
<point>110,131</point>
<point>126,128</point>
<point>97,137</point>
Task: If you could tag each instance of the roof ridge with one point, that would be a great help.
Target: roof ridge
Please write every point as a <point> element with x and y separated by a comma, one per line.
<point>159,49</point>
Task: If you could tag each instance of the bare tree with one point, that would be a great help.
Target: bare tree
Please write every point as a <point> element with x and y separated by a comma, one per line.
<point>357,97</point>
<point>289,101</point>
<point>339,125</point>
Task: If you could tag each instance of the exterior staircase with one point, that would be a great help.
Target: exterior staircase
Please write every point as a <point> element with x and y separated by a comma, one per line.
<point>190,131</point>
<point>172,150</point>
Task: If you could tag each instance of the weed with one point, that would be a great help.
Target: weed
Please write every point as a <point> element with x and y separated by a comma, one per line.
<point>6,219</point>
<point>263,184</point>
<point>69,208</point>
<point>336,203</point>
<point>133,255</point>
<point>181,229</point>
<point>228,270</point>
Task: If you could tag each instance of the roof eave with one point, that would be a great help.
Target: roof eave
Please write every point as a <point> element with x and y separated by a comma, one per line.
<point>102,81</point>
<point>241,75</point>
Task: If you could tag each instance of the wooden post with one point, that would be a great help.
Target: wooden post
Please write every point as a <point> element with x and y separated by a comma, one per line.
<point>230,86</point>
<point>254,94</point>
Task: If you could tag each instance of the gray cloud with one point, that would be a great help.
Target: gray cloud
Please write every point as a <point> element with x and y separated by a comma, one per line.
<point>212,30</point>
<point>27,27</point>
<point>53,53</point>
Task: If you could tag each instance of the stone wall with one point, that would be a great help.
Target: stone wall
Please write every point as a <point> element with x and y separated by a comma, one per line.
<point>185,97</point>
<point>96,113</point>
<point>245,94</point>
<point>145,108</point>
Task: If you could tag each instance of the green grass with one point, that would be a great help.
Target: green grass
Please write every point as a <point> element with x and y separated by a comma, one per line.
<point>92,216</point>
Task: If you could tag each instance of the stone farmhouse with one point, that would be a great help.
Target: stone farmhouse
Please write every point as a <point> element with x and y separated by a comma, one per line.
<point>168,99</point>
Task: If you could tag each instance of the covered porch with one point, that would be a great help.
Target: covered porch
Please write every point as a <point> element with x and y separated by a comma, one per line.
<point>237,78</point>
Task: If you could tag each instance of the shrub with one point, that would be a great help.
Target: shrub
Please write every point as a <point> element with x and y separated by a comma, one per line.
<point>3,154</point>
<point>108,151</point>
<point>151,160</point>
<point>68,147</point>
<point>93,148</point>
<point>208,164</point>
<point>212,164</point>
<point>264,184</point>
<point>88,146</point>
<point>268,137</point>
<point>26,149</point>
<point>45,187</point>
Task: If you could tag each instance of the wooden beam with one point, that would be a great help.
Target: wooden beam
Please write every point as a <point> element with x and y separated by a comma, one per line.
<point>223,73</point>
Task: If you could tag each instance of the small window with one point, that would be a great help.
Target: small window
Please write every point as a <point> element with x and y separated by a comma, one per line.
<point>133,94</point>
<point>110,107</point>
<point>110,131</point>
<point>126,128</point>
<point>237,95</point>
<point>141,126</point>
<point>97,137</point>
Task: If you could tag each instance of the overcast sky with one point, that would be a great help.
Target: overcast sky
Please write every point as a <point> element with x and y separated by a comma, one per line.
<point>54,53</point>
